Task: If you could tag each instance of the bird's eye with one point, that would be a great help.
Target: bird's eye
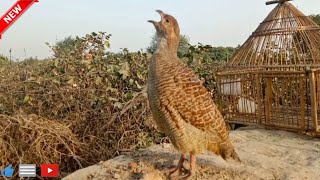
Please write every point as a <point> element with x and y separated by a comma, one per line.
<point>167,20</point>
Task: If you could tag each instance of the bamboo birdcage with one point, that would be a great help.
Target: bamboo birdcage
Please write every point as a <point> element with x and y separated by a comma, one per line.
<point>274,78</point>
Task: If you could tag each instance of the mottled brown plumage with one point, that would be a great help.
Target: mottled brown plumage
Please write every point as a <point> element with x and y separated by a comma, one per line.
<point>181,106</point>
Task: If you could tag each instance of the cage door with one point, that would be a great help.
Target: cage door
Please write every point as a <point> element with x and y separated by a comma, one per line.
<point>284,97</point>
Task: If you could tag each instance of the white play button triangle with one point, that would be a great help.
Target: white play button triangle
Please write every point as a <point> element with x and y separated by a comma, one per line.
<point>49,170</point>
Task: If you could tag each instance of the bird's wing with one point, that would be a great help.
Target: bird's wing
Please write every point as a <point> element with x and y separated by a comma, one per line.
<point>193,102</point>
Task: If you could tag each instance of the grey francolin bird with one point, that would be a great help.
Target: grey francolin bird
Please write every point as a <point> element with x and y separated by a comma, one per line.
<point>181,106</point>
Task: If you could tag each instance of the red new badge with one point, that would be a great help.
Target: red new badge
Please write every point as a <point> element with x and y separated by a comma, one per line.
<point>49,170</point>
<point>14,13</point>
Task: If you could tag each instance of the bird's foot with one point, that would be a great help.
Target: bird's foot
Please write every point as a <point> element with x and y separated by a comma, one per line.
<point>178,172</point>
<point>185,175</point>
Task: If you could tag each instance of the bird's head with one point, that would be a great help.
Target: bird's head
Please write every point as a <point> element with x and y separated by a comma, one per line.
<point>168,32</point>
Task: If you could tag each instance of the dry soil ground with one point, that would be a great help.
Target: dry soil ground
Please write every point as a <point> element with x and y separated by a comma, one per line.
<point>265,154</point>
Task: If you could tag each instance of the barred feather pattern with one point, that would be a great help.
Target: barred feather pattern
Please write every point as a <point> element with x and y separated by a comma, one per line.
<point>184,110</point>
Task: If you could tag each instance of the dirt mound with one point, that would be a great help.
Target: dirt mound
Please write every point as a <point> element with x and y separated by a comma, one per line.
<point>265,154</point>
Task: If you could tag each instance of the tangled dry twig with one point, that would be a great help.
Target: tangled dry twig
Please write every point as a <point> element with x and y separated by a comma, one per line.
<point>37,140</point>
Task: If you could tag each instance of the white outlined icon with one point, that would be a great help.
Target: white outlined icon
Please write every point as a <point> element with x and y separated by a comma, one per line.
<point>27,170</point>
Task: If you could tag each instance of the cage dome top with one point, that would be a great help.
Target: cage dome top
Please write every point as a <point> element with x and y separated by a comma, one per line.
<point>285,39</point>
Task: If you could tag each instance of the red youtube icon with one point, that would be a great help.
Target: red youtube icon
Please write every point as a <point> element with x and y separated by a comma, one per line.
<point>49,170</point>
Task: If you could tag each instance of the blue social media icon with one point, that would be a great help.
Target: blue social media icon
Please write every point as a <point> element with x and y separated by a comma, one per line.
<point>8,171</point>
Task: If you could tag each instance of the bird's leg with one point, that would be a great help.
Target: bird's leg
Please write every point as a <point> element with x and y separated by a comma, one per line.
<point>175,171</point>
<point>193,161</point>
<point>179,166</point>
<point>191,172</point>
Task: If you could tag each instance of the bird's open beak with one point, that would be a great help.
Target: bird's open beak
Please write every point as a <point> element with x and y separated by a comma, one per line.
<point>155,22</point>
<point>160,12</point>
<point>152,21</point>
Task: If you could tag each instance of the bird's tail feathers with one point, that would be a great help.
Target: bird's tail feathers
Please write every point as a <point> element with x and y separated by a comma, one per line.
<point>221,147</point>
<point>225,150</point>
<point>228,152</point>
<point>215,148</point>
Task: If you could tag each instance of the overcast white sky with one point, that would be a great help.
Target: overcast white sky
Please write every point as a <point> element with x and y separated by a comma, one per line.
<point>215,22</point>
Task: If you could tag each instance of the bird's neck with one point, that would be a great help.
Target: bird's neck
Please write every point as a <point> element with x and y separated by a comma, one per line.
<point>168,46</point>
